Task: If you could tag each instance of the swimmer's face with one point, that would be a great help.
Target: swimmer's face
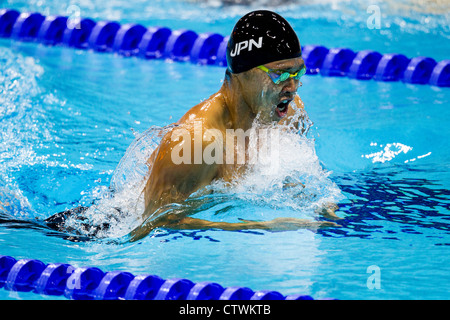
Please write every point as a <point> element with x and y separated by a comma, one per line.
<point>270,100</point>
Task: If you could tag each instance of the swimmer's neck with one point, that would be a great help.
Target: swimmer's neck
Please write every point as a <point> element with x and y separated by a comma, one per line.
<point>242,116</point>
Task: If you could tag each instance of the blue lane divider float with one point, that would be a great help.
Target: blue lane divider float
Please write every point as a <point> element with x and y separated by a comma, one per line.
<point>210,48</point>
<point>102,36</point>
<point>27,25</point>
<point>153,43</point>
<point>91,283</point>
<point>52,30</point>
<point>78,37</point>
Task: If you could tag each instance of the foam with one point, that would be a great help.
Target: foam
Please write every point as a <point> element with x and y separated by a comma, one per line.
<point>296,187</point>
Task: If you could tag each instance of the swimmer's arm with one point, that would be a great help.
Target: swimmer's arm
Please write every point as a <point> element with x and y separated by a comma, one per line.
<point>175,222</point>
<point>173,182</point>
<point>278,224</point>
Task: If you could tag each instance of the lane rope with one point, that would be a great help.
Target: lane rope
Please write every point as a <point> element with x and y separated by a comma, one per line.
<point>210,48</point>
<point>91,283</point>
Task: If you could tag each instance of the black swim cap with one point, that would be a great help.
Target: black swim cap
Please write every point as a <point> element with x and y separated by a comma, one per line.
<point>261,37</point>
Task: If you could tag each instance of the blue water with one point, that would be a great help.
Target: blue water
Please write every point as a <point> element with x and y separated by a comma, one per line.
<point>68,117</point>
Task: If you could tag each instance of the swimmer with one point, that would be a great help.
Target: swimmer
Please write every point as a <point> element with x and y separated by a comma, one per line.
<point>263,74</point>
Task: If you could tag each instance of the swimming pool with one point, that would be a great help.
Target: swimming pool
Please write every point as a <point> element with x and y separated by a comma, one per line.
<point>68,117</point>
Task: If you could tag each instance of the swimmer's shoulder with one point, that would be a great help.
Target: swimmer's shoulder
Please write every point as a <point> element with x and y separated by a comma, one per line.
<point>212,113</point>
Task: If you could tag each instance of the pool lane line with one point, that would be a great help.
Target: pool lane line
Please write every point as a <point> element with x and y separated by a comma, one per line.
<point>91,283</point>
<point>210,48</point>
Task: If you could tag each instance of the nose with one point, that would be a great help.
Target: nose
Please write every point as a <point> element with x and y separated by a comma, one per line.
<point>290,86</point>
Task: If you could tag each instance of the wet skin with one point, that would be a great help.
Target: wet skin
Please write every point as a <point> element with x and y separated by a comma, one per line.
<point>241,98</point>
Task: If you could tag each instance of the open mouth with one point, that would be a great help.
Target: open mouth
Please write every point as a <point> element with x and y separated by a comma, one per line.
<point>282,108</point>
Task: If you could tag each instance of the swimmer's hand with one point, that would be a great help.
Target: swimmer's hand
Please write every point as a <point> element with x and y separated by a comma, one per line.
<point>327,210</point>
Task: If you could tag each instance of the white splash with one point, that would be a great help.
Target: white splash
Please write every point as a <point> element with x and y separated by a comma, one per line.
<point>299,183</point>
<point>389,152</point>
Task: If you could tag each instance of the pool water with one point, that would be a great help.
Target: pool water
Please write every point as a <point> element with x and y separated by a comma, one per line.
<point>379,149</point>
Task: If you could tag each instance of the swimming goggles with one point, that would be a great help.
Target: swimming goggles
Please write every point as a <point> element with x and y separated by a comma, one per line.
<point>278,76</point>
